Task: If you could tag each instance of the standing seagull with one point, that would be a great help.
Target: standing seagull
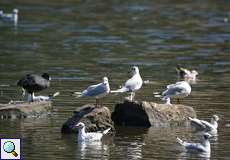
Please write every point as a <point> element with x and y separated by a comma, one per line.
<point>201,125</point>
<point>92,136</point>
<point>204,146</point>
<point>99,90</point>
<point>186,74</point>
<point>34,83</point>
<point>10,17</point>
<point>178,90</point>
<point>133,84</point>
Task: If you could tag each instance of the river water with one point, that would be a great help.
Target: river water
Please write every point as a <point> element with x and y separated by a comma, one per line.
<point>78,42</point>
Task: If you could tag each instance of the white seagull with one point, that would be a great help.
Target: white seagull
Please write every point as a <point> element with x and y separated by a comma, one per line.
<point>91,136</point>
<point>98,91</point>
<point>10,17</point>
<point>133,84</point>
<point>45,98</point>
<point>201,125</point>
<point>186,74</point>
<point>178,90</point>
<point>204,146</point>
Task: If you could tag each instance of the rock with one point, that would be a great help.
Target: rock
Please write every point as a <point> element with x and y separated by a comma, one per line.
<point>21,109</point>
<point>95,119</point>
<point>148,114</point>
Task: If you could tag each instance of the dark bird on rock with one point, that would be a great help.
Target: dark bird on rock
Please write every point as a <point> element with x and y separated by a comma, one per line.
<point>32,83</point>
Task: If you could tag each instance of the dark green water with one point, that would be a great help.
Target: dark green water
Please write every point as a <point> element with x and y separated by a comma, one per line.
<point>78,42</point>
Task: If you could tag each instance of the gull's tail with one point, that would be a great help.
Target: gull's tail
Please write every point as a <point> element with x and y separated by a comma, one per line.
<point>157,94</point>
<point>180,141</point>
<point>106,131</point>
<point>180,69</point>
<point>77,94</point>
<point>55,94</point>
<point>121,90</point>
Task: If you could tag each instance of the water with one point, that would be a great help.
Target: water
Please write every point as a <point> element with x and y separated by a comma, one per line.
<point>79,42</point>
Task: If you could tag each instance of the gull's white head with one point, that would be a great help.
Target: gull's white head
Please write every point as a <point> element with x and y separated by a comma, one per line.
<point>215,118</point>
<point>194,72</point>
<point>134,70</point>
<point>206,136</point>
<point>105,80</point>
<point>80,125</point>
<point>15,11</point>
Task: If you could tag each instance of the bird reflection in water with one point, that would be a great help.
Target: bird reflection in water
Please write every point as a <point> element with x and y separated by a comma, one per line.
<point>92,149</point>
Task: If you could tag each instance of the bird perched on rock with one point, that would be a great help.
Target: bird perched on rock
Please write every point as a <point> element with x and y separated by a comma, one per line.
<point>98,91</point>
<point>10,17</point>
<point>186,74</point>
<point>91,136</point>
<point>34,83</point>
<point>203,146</point>
<point>201,125</point>
<point>178,90</point>
<point>131,85</point>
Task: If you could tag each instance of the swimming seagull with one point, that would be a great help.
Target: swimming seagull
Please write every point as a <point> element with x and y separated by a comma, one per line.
<point>178,90</point>
<point>201,125</point>
<point>91,136</point>
<point>34,83</point>
<point>10,17</point>
<point>204,146</point>
<point>99,90</point>
<point>133,84</point>
<point>186,74</point>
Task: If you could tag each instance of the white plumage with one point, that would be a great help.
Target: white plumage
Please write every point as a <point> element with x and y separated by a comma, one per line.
<point>204,146</point>
<point>186,74</point>
<point>201,125</point>
<point>133,84</point>
<point>91,136</point>
<point>178,90</point>
<point>98,91</point>
<point>10,17</point>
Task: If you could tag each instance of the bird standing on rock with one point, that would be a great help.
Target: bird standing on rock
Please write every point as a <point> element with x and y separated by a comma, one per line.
<point>99,90</point>
<point>34,83</point>
<point>178,90</point>
<point>131,85</point>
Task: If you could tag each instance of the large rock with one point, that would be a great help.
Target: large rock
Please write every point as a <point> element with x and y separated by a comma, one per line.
<point>95,119</point>
<point>148,114</point>
<point>21,109</point>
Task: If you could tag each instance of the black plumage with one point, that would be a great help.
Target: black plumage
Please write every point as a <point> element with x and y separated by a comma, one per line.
<point>34,83</point>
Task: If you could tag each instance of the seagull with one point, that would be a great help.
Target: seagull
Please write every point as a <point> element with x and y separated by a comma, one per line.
<point>92,136</point>
<point>45,98</point>
<point>204,146</point>
<point>133,84</point>
<point>99,90</point>
<point>178,90</point>
<point>186,74</point>
<point>34,83</point>
<point>201,125</point>
<point>10,17</point>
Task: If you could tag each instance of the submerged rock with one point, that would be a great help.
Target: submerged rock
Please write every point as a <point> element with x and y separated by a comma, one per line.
<point>95,119</point>
<point>21,109</point>
<point>148,114</point>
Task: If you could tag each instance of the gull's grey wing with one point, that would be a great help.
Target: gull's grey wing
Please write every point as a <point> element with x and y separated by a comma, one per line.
<point>194,147</point>
<point>173,91</point>
<point>95,90</point>
<point>208,125</point>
